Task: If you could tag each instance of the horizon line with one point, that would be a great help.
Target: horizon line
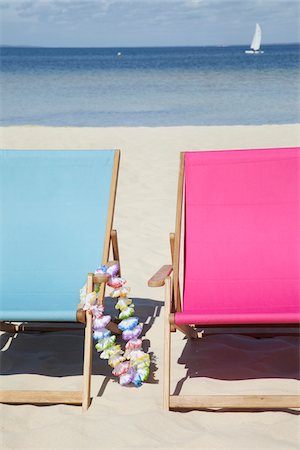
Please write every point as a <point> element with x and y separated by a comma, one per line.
<point>144,46</point>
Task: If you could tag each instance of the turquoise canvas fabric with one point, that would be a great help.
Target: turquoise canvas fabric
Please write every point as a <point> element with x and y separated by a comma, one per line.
<point>53,207</point>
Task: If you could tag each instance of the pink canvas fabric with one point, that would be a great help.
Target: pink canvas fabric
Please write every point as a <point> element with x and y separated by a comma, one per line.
<point>242,237</point>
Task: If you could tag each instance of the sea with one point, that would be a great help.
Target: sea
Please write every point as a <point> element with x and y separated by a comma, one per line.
<point>174,86</point>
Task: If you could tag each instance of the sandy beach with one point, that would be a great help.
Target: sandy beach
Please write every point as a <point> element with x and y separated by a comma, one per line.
<point>128,417</point>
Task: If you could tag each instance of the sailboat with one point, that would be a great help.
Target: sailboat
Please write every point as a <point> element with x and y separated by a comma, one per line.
<point>256,41</point>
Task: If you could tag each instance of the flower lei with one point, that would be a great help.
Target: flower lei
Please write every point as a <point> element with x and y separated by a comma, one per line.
<point>131,366</point>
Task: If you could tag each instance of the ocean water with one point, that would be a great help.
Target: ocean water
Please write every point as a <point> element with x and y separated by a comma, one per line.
<point>149,86</point>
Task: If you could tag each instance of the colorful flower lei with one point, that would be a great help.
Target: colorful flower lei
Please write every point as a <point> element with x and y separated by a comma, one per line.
<point>131,366</point>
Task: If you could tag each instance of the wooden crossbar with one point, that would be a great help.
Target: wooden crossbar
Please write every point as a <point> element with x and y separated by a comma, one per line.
<point>41,397</point>
<point>235,401</point>
<point>159,277</point>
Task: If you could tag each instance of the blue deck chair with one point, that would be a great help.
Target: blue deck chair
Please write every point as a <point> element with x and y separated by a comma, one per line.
<point>56,221</point>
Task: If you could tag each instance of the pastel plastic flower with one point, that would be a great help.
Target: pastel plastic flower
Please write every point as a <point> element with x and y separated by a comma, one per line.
<point>101,333</point>
<point>114,349</point>
<point>101,322</point>
<point>125,291</point>
<point>127,377</point>
<point>143,373</point>
<point>101,269</point>
<point>121,368</point>
<point>120,292</point>
<point>127,354</point>
<point>134,344</point>
<point>137,354</point>
<point>110,351</point>
<point>90,300</point>
<point>105,343</point>
<point>86,300</point>
<point>128,324</point>
<point>116,359</point>
<point>132,334</point>
<point>104,355</point>
<point>136,369</point>
<point>137,381</point>
<point>116,282</point>
<point>146,360</point>
<point>141,365</point>
<point>97,311</point>
<point>113,270</point>
<point>123,303</point>
<point>138,357</point>
<point>126,313</point>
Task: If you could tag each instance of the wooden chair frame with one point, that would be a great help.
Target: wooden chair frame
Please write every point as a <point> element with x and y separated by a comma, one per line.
<point>74,397</point>
<point>165,277</point>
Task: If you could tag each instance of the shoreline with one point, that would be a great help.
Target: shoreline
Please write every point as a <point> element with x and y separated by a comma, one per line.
<point>36,125</point>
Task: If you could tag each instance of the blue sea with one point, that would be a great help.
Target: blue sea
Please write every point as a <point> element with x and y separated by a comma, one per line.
<point>149,86</point>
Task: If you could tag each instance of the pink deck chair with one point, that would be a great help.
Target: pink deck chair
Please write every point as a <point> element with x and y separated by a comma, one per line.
<point>241,213</point>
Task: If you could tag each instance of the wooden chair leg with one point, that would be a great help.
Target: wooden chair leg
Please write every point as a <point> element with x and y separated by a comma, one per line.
<point>87,364</point>
<point>167,346</point>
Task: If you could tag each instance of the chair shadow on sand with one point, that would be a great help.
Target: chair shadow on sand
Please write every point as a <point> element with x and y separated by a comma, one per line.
<point>60,353</point>
<point>231,357</point>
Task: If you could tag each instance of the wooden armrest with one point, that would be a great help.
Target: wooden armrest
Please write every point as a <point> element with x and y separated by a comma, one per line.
<point>159,277</point>
<point>101,277</point>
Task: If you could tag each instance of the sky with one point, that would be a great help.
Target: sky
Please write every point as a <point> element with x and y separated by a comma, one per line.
<point>135,23</point>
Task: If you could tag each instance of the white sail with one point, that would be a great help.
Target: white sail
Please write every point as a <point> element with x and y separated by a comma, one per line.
<point>256,41</point>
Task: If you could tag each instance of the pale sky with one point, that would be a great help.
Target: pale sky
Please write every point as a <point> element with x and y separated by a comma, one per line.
<point>121,23</point>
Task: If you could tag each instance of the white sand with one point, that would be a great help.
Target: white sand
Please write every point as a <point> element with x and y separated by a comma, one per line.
<point>133,418</point>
